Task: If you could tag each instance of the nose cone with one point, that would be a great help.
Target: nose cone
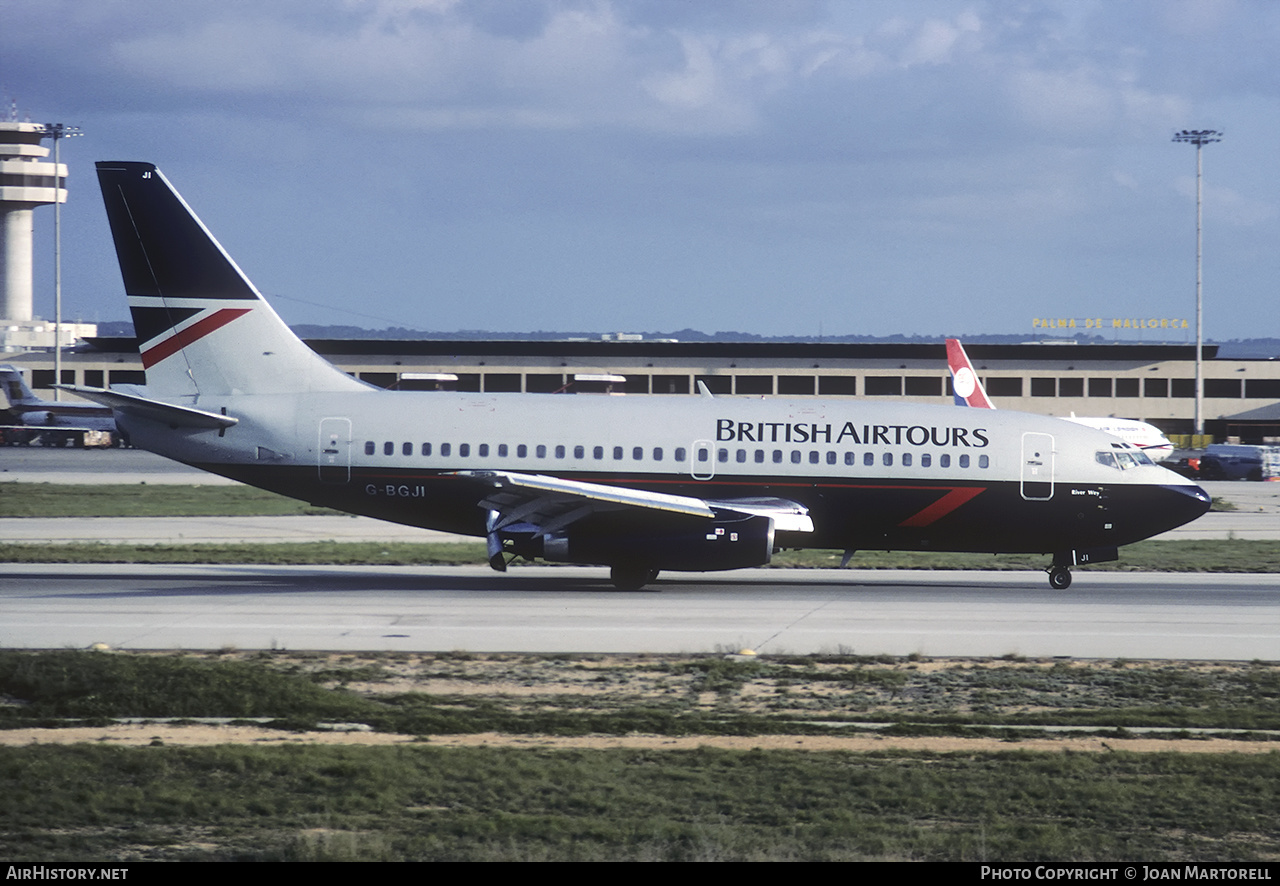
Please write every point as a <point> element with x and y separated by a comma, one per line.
<point>1181,504</point>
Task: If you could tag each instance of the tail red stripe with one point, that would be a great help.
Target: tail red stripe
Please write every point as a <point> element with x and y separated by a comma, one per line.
<point>190,335</point>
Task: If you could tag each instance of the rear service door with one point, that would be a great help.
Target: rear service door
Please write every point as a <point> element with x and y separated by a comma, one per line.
<point>334,451</point>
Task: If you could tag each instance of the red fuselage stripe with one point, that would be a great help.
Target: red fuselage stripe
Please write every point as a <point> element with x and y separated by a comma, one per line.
<point>943,506</point>
<point>190,335</point>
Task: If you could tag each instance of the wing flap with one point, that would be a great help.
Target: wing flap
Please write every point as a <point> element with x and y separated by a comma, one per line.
<point>544,501</point>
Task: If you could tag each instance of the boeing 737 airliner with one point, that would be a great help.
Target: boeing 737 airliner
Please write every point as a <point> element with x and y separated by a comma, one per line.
<point>636,483</point>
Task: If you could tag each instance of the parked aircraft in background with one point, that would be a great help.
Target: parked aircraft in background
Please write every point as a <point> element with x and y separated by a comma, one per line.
<point>56,422</point>
<point>635,483</point>
<point>967,390</point>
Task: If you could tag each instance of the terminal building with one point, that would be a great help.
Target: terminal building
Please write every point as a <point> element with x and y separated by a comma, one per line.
<point>1149,382</point>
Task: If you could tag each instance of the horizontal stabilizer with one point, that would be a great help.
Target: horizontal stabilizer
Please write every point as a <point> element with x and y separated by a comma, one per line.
<point>155,410</point>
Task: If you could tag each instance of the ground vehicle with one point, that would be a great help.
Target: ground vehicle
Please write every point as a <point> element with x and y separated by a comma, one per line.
<point>1229,461</point>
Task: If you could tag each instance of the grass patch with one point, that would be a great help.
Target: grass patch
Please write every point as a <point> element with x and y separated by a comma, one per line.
<point>93,802</point>
<point>1199,555</point>
<point>617,695</point>
<point>141,500</point>
<point>320,553</point>
<point>470,804</point>
<point>54,685</point>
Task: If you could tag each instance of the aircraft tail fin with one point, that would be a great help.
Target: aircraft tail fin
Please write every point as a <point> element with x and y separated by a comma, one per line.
<point>16,388</point>
<point>202,327</point>
<point>966,387</point>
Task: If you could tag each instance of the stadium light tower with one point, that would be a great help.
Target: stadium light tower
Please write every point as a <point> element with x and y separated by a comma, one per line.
<point>57,132</point>
<point>1199,138</point>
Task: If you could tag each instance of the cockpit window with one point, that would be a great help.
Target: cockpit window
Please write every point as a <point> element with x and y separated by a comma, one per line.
<point>1124,459</point>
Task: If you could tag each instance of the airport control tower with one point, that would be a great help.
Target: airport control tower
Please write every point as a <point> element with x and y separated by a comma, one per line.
<point>25,183</point>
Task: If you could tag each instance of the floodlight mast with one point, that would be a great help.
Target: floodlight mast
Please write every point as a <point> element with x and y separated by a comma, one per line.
<point>1199,138</point>
<point>57,132</point>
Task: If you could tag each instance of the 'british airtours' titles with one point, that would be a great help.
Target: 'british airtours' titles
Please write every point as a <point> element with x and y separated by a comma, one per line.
<point>729,430</point>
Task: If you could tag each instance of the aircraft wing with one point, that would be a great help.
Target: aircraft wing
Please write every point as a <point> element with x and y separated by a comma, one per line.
<point>536,504</point>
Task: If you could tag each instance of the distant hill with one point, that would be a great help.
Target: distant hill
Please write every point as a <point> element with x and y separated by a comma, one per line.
<point>1235,349</point>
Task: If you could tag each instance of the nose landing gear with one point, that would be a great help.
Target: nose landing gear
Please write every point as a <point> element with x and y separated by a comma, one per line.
<point>1059,577</point>
<point>1060,570</point>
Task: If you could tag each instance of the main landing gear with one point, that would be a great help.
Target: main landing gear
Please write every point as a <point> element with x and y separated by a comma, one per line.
<point>631,578</point>
<point>1059,577</point>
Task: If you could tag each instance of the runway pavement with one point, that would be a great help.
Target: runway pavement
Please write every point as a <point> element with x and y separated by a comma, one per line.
<point>574,609</point>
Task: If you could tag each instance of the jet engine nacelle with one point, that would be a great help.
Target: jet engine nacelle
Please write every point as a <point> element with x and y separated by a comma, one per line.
<point>731,540</point>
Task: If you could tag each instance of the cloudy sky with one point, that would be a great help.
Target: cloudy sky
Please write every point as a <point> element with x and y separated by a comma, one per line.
<point>787,167</point>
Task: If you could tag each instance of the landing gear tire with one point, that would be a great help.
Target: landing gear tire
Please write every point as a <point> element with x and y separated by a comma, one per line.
<point>1059,578</point>
<point>631,578</point>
